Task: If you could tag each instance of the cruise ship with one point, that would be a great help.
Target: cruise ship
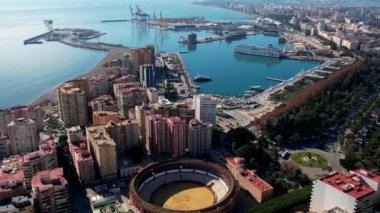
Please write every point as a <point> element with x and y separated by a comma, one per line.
<point>269,51</point>
<point>202,78</point>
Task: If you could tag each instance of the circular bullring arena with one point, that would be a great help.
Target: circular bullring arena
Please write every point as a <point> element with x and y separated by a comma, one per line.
<point>184,186</point>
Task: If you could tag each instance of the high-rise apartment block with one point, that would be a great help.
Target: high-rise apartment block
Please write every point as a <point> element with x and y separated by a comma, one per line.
<point>51,190</point>
<point>142,111</point>
<point>34,113</point>
<point>103,149</point>
<point>199,138</point>
<point>82,159</point>
<point>98,85</point>
<point>72,104</point>
<point>177,136</point>
<point>166,135</point>
<point>22,133</point>
<point>124,133</point>
<point>141,56</point>
<point>157,140</point>
<point>128,98</point>
<point>205,108</point>
<point>147,75</point>
<point>44,158</point>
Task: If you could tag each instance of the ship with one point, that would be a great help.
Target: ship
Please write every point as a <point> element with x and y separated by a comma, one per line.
<point>268,51</point>
<point>236,36</point>
<point>202,78</point>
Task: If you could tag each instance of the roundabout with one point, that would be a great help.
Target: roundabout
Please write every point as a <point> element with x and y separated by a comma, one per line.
<point>309,159</point>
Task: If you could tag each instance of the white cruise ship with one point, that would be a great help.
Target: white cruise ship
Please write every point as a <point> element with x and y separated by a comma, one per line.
<point>269,51</point>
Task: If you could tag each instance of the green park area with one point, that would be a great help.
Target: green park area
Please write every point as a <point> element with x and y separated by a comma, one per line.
<point>309,159</point>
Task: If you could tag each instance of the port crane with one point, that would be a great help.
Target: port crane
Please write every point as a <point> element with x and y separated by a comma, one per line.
<point>138,14</point>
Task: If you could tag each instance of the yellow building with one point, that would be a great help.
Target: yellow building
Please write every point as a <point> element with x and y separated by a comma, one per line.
<point>72,104</point>
<point>103,148</point>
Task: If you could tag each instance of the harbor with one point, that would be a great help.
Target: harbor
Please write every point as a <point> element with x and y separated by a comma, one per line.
<point>240,72</point>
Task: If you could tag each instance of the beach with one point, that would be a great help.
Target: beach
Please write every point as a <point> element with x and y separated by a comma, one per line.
<point>113,52</point>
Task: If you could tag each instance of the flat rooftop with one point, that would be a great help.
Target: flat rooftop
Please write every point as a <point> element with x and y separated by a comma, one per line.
<point>348,183</point>
<point>374,176</point>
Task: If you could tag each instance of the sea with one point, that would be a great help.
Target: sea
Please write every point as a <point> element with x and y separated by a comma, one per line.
<point>27,72</point>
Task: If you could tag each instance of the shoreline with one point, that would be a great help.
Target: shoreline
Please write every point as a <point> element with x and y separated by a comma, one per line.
<point>49,98</point>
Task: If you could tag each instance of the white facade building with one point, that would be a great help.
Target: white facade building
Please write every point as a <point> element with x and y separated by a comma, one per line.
<point>347,192</point>
<point>205,108</point>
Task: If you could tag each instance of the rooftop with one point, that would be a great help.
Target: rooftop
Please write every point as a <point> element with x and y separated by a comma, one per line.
<point>238,163</point>
<point>11,165</point>
<point>49,178</point>
<point>11,181</point>
<point>80,151</point>
<point>348,183</point>
<point>70,88</point>
<point>375,176</point>
<point>20,121</point>
<point>127,90</point>
<point>100,136</point>
<point>105,113</point>
<point>46,147</point>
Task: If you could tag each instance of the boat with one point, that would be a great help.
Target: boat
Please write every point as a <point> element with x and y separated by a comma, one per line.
<point>282,40</point>
<point>250,92</point>
<point>202,78</point>
<point>236,36</point>
<point>257,88</point>
<point>268,51</point>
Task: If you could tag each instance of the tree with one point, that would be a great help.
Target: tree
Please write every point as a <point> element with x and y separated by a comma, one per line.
<point>238,137</point>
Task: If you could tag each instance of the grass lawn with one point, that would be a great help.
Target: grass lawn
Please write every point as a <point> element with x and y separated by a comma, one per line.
<point>309,159</point>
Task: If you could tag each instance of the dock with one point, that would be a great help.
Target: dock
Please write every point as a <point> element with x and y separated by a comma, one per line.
<point>192,89</point>
<point>205,39</point>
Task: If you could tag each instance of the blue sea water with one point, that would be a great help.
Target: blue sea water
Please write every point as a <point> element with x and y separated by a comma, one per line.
<point>26,72</point>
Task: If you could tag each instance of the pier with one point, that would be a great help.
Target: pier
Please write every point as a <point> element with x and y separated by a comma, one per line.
<point>275,79</point>
<point>114,20</point>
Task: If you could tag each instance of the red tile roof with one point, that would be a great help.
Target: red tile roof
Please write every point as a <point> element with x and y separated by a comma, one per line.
<point>250,175</point>
<point>349,183</point>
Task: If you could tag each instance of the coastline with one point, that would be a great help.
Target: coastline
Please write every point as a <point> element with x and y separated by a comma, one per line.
<point>49,98</point>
